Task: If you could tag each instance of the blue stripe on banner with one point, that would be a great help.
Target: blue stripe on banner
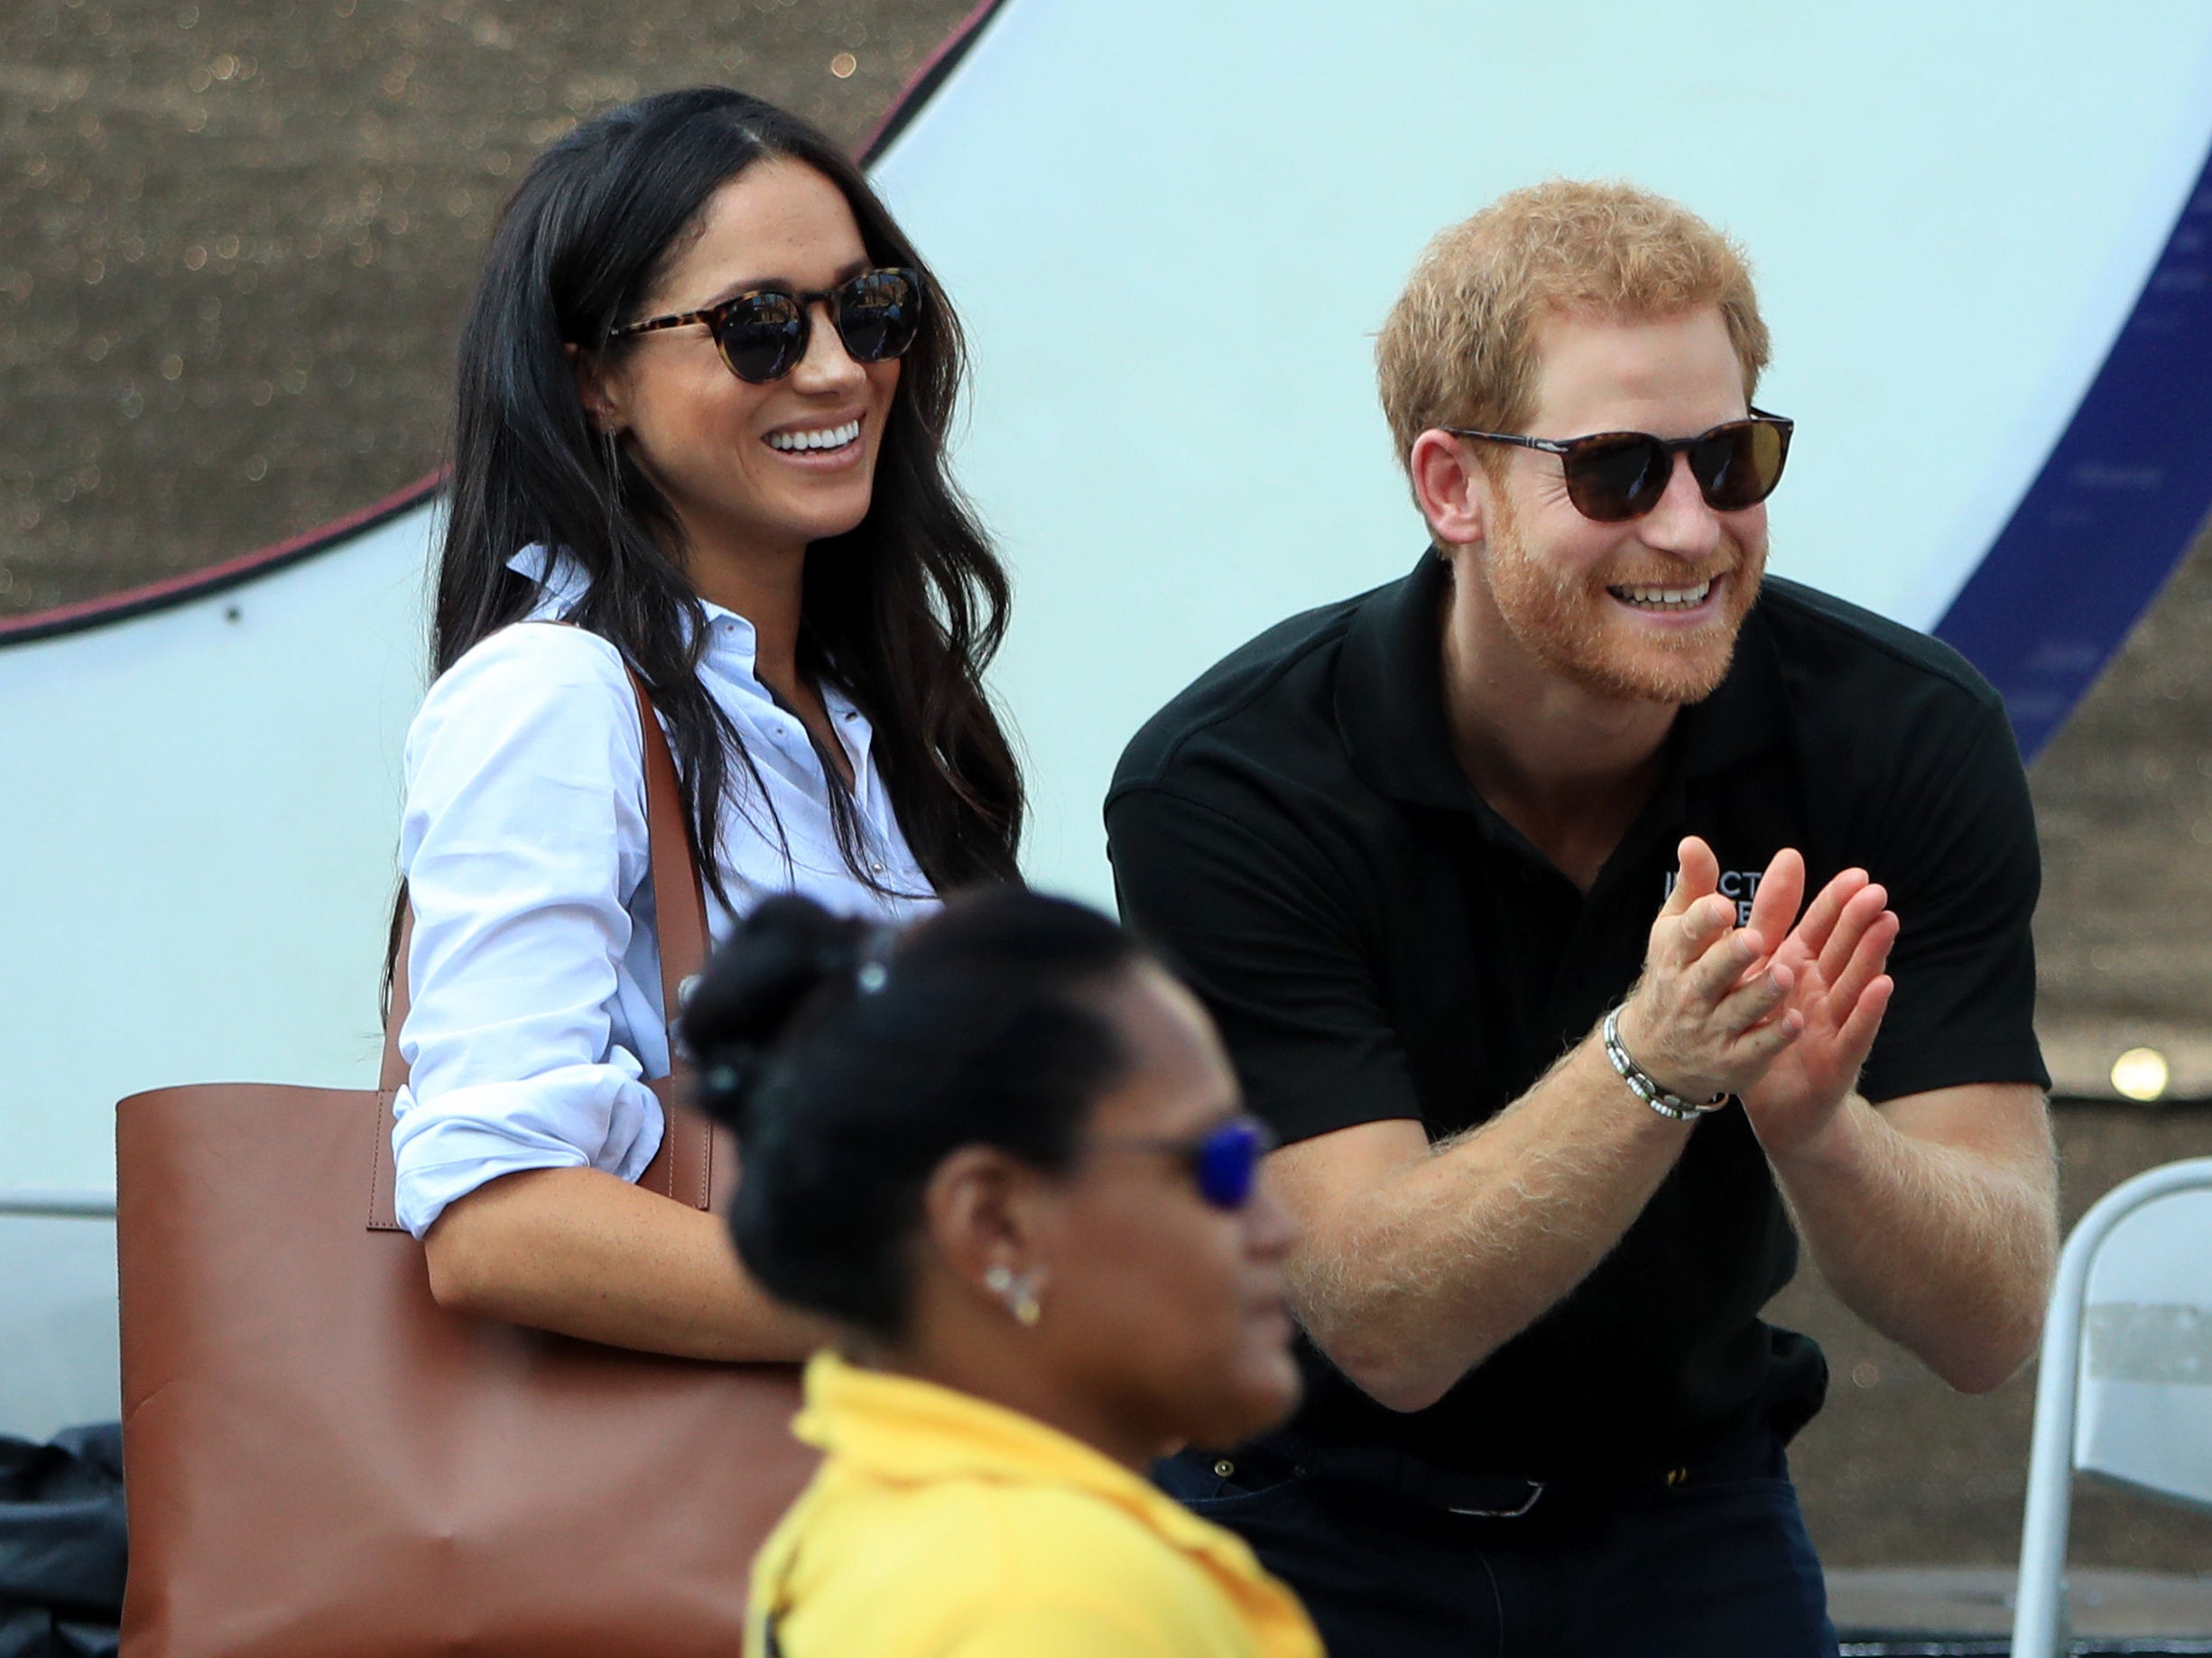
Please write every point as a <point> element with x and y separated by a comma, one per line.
<point>2114,507</point>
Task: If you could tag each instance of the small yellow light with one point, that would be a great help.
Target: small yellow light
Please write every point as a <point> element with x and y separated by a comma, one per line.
<point>843,65</point>
<point>2140,1073</point>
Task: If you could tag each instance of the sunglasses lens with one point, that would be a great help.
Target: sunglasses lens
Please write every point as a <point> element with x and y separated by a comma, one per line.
<point>878,313</point>
<point>1739,465</point>
<point>1228,1160</point>
<point>762,337</point>
<point>1618,476</point>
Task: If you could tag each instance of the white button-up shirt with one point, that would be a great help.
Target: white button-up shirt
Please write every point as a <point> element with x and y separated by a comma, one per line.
<point>534,970</point>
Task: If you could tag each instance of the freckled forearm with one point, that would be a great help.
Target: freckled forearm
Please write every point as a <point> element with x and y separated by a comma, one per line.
<point>584,1255</point>
<point>1430,1269</point>
<point>1947,1250</point>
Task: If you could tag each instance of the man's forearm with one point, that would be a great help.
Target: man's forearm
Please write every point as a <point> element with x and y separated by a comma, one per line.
<point>1945,1247</point>
<point>1416,1276</point>
<point>1417,1262</point>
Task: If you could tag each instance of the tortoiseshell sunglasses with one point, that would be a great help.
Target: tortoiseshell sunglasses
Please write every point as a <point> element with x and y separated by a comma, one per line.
<point>763,334</point>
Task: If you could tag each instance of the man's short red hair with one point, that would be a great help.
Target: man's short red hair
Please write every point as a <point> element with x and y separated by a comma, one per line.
<point>1459,346</point>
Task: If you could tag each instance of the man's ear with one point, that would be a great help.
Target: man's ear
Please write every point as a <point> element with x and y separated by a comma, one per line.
<point>598,391</point>
<point>1451,486</point>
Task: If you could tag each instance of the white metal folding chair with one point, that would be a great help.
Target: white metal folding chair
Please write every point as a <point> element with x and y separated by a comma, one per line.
<point>2125,1385</point>
<point>59,1361</point>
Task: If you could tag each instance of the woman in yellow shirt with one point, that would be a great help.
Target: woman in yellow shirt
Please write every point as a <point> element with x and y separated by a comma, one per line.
<point>1004,1154</point>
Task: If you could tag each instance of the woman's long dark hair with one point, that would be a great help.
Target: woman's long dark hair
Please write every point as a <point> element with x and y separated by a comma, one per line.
<point>850,1069</point>
<point>905,609</point>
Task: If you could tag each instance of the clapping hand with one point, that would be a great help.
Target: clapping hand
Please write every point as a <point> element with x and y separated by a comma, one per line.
<point>1715,1008</point>
<point>1834,958</point>
<point>1785,1026</point>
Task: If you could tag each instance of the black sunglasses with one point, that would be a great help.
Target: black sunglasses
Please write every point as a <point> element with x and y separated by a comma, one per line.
<point>763,335</point>
<point>1223,1161</point>
<point>1612,475</point>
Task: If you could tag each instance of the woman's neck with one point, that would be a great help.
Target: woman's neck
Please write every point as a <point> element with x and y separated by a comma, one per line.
<point>766,587</point>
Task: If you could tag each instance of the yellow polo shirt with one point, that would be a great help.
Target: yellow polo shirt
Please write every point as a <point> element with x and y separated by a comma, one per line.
<point>941,1526</point>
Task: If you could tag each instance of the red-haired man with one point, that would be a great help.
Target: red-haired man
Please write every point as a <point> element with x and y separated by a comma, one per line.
<point>1583,911</point>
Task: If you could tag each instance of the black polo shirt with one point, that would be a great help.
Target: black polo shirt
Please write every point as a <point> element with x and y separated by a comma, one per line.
<point>1376,942</point>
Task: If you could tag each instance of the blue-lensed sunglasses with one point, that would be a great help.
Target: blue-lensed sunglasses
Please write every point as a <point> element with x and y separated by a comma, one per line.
<point>1223,1161</point>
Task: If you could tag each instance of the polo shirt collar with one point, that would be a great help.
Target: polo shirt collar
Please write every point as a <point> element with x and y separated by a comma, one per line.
<point>1390,697</point>
<point>906,1431</point>
<point>1390,693</point>
<point>1745,715</point>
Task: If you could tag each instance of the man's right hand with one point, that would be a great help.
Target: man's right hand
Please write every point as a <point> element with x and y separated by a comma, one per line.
<point>1710,1013</point>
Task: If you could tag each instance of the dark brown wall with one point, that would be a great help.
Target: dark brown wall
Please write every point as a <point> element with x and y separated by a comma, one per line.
<point>234,239</point>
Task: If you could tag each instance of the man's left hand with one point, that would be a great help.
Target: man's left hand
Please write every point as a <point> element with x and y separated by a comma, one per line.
<point>1836,953</point>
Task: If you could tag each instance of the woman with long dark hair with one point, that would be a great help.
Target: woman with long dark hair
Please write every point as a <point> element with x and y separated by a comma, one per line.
<point>704,393</point>
<point>1004,1157</point>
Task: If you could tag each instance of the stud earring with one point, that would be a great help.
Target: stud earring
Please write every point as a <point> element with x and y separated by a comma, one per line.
<point>1018,1291</point>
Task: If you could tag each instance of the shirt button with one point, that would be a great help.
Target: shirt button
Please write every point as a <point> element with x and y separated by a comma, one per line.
<point>1224,1469</point>
<point>875,868</point>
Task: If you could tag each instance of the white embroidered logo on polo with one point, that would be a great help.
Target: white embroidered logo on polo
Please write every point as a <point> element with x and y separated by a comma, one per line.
<point>1741,884</point>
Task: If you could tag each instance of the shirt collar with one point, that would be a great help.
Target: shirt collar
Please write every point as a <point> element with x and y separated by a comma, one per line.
<point>1390,693</point>
<point>1747,714</point>
<point>563,581</point>
<point>905,1432</point>
<point>1390,697</point>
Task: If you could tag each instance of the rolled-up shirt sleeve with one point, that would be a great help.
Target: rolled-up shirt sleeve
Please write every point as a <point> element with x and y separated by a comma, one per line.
<point>524,844</point>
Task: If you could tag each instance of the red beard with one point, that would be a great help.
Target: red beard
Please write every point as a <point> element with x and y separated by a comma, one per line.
<point>1572,623</point>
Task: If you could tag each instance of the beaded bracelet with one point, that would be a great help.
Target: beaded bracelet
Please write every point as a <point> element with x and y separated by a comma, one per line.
<point>1641,1085</point>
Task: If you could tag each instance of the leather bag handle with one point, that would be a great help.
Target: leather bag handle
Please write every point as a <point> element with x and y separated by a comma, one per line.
<point>683,1168</point>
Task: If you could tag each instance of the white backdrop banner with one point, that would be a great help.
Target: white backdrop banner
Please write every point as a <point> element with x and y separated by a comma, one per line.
<point>1172,230</point>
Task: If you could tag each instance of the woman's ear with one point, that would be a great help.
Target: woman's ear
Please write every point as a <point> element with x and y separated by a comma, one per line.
<point>597,389</point>
<point>1453,489</point>
<point>984,1214</point>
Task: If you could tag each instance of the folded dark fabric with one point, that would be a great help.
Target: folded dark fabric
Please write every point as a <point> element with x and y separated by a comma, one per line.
<point>62,1550</point>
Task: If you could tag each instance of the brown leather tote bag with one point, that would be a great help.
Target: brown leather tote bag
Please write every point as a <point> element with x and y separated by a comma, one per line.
<point>322,1462</point>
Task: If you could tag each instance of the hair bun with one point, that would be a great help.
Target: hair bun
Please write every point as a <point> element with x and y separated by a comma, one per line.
<point>759,989</point>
